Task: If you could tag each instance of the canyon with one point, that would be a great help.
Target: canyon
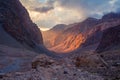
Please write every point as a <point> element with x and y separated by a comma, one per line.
<point>87,50</point>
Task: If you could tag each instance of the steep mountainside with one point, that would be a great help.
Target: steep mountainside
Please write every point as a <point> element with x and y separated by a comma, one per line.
<point>110,39</point>
<point>71,38</point>
<point>15,20</point>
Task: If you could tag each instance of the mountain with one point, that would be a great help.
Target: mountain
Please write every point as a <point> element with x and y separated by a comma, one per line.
<point>15,21</point>
<point>71,38</point>
<point>84,34</point>
<point>110,39</point>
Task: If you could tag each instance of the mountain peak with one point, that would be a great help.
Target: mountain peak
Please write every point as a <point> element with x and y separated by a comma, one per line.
<point>111,15</point>
<point>58,27</point>
<point>91,19</point>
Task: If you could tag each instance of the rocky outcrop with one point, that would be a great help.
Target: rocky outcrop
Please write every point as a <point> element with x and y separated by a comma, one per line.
<point>15,20</point>
<point>110,39</point>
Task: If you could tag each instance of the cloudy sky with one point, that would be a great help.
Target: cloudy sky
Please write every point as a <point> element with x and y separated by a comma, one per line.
<point>48,13</point>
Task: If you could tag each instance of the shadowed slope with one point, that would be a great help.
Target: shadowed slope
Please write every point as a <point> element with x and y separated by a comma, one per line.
<point>110,39</point>
<point>15,19</point>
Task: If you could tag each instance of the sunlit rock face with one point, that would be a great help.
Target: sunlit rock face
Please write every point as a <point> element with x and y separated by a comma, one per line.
<point>110,39</point>
<point>16,22</point>
<point>72,37</point>
<point>68,44</point>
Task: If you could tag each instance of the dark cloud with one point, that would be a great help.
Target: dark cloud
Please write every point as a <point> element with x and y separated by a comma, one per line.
<point>43,9</point>
<point>93,8</point>
<point>68,11</point>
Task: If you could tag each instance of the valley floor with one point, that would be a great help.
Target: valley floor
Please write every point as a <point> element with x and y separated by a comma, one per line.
<point>21,64</point>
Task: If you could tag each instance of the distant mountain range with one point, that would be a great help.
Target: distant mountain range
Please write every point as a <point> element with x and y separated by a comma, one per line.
<point>80,35</point>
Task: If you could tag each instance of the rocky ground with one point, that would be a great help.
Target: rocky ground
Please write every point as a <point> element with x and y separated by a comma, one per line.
<point>46,68</point>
